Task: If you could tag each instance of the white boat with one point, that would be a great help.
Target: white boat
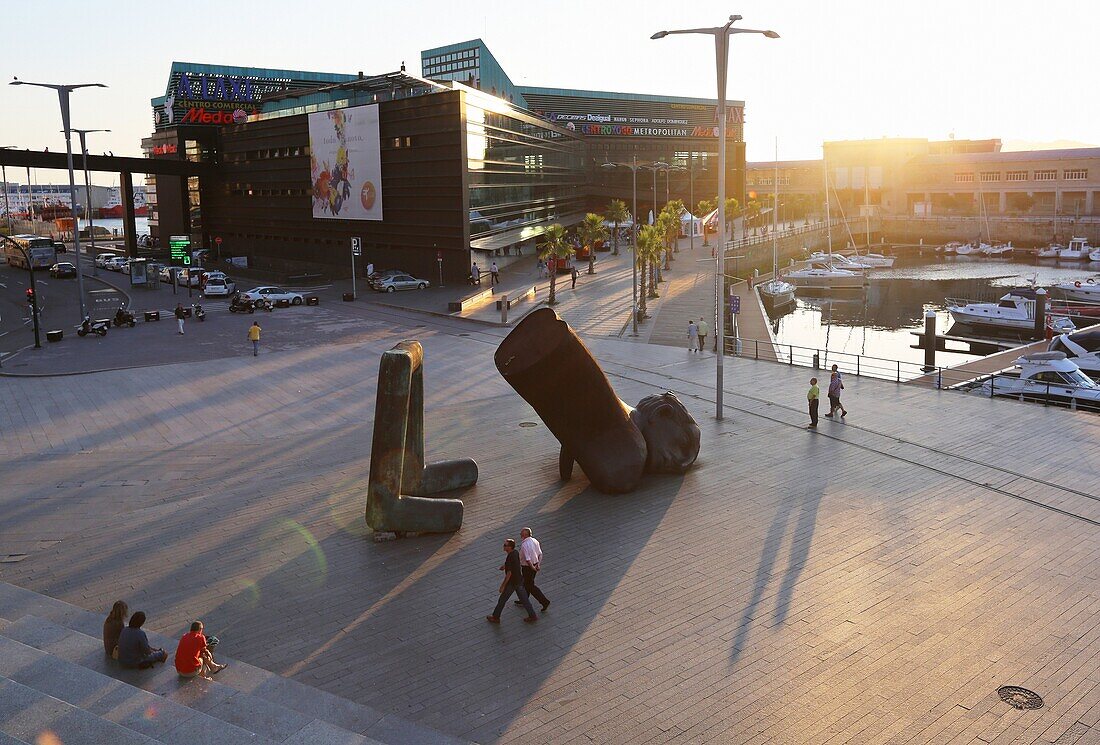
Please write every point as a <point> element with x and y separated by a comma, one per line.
<point>1051,251</point>
<point>1012,311</point>
<point>822,276</point>
<point>952,247</point>
<point>967,249</point>
<point>1048,377</point>
<point>1083,348</point>
<point>840,261</point>
<point>1001,249</point>
<point>775,292</point>
<point>1095,255</point>
<point>1078,249</point>
<point>1086,291</point>
<point>876,261</point>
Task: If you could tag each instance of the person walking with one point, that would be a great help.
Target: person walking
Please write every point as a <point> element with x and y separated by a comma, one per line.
<point>494,274</point>
<point>475,273</point>
<point>813,396</point>
<point>704,329</point>
<point>836,385</point>
<point>542,268</point>
<point>693,337</point>
<point>254,337</point>
<point>573,274</point>
<point>530,561</point>
<point>180,316</point>
<point>513,582</point>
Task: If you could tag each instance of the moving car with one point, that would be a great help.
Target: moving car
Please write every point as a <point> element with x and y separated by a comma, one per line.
<point>115,263</point>
<point>397,282</point>
<point>60,247</point>
<point>219,287</point>
<point>102,259</point>
<point>63,269</point>
<point>274,294</point>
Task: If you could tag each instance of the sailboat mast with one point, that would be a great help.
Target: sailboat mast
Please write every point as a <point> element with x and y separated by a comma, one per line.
<point>828,215</point>
<point>867,207</point>
<point>775,215</point>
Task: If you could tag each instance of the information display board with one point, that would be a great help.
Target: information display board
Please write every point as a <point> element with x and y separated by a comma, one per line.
<point>180,248</point>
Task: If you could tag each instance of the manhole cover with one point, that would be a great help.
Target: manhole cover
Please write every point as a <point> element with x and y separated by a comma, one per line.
<point>1020,698</point>
<point>528,424</point>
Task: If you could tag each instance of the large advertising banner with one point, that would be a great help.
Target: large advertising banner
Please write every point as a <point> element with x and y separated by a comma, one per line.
<point>345,163</point>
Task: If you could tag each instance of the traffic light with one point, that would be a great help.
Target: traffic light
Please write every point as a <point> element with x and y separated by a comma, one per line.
<point>30,296</point>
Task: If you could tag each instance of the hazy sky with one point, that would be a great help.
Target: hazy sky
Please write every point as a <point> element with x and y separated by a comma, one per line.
<point>844,69</point>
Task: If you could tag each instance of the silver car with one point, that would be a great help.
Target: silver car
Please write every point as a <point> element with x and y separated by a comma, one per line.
<point>400,282</point>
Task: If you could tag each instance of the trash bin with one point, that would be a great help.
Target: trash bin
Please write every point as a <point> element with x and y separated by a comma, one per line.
<point>348,297</point>
<point>152,315</point>
<point>54,335</point>
<point>817,360</point>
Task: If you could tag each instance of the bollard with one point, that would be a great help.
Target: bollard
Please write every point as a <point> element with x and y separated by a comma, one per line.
<point>817,360</point>
<point>504,308</point>
<point>929,341</point>
<point>1040,313</point>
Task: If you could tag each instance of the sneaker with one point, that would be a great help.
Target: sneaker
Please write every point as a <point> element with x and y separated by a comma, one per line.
<point>547,605</point>
<point>530,619</point>
<point>828,416</point>
<point>492,619</point>
<point>843,414</point>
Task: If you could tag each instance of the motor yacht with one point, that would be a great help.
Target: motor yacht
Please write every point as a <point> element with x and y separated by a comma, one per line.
<point>1045,376</point>
<point>876,261</point>
<point>1087,290</point>
<point>1014,311</point>
<point>776,293</point>
<point>1078,249</point>
<point>824,276</point>
<point>1083,348</point>
<point>1095,255</point>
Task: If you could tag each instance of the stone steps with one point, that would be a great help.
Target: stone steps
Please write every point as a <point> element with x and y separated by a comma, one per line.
<point>250,704</point>
<point>26,715</point>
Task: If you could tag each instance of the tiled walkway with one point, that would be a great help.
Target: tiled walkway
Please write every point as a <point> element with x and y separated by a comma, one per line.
<point>873,581</point>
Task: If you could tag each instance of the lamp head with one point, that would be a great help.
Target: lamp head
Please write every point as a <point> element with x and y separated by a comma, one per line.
<point>659,35</point>
<point>771,34</point>
<point>734,19</point>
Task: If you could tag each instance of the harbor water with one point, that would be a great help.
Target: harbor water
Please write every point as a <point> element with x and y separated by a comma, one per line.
<point>878,320</point>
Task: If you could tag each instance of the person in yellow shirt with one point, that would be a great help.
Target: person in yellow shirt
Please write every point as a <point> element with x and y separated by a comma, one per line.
<point>814,398</point>
<point>254,337</point>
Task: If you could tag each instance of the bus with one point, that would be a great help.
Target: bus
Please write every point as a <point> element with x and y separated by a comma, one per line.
<point>40,249</point>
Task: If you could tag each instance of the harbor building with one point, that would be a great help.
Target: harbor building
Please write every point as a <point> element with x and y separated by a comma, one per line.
<point>428,172</point>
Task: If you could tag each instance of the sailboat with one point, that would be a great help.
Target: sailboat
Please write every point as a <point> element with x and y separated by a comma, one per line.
<point>775,292</point>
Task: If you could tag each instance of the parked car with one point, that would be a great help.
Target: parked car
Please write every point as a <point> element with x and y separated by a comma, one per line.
<point>386,273</point>
<point>102,259</point>
<point>274,294</point>
<point>63,269</point>
<point>60,247</point>
<point>115,263</point>
<point>399,282</point>
<point>219,287</point>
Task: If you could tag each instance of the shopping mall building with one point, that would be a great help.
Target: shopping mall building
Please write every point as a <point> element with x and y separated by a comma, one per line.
<point>429,172</point>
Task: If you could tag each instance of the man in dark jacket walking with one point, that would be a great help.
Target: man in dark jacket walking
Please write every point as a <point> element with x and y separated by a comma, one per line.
<point>513,582</point>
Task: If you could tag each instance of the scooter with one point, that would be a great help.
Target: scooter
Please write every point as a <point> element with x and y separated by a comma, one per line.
<point>99,328</point>
<point>237,305</point>
<point>199,312</point>
<point>124,317</point>
<point>264,304</point>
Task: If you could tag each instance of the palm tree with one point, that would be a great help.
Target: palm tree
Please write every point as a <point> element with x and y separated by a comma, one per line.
<point>616,214</point>
<point>669,224</point>
<point>677,208</point>
<point>649,246</point>
<point>554,247</point>
<point>704,208</point>
<point>592,231</point>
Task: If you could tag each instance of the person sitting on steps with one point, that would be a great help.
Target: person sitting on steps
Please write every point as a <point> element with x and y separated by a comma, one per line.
<point>113,626</point>
<point>193,656</point>
<point>133,646</point>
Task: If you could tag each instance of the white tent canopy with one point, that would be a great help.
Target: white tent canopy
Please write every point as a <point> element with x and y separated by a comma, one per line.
<point>690,225</point>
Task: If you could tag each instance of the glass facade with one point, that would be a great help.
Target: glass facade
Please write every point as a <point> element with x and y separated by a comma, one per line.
<point>521,173</point>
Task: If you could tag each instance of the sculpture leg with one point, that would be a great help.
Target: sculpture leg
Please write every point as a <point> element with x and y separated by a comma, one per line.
<point>549,366</point>
<point>565,465</point>
<point>398,447</point>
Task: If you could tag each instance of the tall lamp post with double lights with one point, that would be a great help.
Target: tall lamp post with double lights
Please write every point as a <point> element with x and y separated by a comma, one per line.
<point>633,166</point>
<point>721,36</point>
<point>63,92</point>
<point>83,133</point>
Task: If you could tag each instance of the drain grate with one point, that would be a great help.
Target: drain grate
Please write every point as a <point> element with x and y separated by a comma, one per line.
<point>528,424</point>
<point>1020,698</point>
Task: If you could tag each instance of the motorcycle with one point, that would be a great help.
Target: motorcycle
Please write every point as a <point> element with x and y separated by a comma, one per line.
<point>88,326</point>
<point>237,305</point>
<point>264,304</point>
<point>199,312</point>
<point>124,317</point>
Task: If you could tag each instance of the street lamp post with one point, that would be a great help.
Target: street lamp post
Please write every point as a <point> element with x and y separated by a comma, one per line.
<point>63,92</point>
<point>721,36</point>
<point>34,291</point>
<point>83,133</point>
<point>633,166</point>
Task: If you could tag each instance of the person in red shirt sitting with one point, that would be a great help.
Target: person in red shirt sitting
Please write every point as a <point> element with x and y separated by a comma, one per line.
<point>193,657</point>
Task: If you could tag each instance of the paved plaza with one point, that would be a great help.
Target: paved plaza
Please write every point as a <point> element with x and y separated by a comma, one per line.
<point>874,581</point>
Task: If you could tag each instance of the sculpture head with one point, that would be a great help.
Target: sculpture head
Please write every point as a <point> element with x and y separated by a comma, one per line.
<point>670,432</point>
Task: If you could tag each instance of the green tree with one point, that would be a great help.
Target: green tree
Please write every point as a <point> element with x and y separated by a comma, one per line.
<point>616,214</point>
<point>669,223</point>
<point>591,231</point>
<point>554,247</point>
<point>705,207</point>
<point>649,247</point>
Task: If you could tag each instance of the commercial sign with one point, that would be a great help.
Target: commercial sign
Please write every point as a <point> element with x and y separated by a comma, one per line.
<point>642,117</point>
<point>180,250</point>
<point>346,163</point>
<point>167,149</point>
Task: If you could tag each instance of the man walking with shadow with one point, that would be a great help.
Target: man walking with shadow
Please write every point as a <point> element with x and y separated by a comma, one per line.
<point>530,560</point>
<point>513,582</point>
<point>704,329</point>
<point>813,397</point>
<point>254,337</point>
<point>180,315</point>
<point>494,274</point>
